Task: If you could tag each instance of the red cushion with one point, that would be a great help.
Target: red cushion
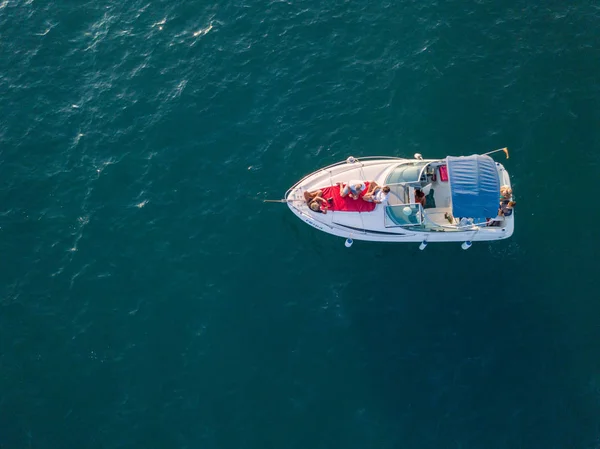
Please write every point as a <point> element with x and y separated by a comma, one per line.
<point>347,204</point>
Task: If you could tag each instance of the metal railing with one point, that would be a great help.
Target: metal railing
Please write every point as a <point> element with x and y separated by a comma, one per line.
<point>351,166</point>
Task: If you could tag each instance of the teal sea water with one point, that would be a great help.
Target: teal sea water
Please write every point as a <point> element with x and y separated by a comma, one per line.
<point>150,299</point>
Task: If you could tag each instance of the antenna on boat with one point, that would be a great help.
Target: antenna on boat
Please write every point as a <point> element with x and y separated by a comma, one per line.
<point>505,149</point>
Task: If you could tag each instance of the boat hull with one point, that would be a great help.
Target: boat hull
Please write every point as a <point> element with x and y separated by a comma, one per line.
<point>375,226</point>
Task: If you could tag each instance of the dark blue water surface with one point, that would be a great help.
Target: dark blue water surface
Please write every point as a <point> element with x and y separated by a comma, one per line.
<point>150,299</point>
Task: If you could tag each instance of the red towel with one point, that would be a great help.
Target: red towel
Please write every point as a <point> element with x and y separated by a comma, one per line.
<point>347,204</point>
<point>443,173</point>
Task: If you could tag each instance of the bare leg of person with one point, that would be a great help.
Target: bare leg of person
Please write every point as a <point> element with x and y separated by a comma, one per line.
<point>372,187</point>
<point>344,190</point>
<point>308,196</point>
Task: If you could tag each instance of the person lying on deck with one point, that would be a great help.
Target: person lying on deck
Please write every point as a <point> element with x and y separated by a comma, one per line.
<point>354,188</point>
<point>316,202</point>
<point>376,193</point>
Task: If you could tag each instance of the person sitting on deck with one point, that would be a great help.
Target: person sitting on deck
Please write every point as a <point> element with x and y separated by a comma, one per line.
<point>505,210</point>
<point>505,193</point>
<point>376,193</point>
<point>420,197</point>
<point>353,187</point>
<point>316,202</point>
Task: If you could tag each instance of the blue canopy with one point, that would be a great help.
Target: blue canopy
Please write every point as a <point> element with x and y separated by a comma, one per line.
<point>474,186</point>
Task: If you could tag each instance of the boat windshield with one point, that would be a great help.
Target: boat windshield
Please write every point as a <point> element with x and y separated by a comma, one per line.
<point>406,173</point>
<point>403,215</point>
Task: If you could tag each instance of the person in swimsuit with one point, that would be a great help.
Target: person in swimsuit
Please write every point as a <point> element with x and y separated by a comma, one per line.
<point>506,202</point>
<point>316,202</point>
